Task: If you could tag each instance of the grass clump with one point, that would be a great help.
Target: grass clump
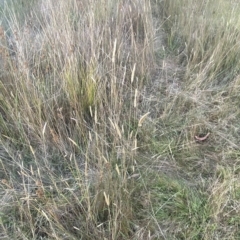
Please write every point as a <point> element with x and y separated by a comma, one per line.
<point>207,40</point>
<point>66,150</point>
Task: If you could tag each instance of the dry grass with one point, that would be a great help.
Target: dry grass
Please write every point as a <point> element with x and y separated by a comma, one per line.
<point>103,105</point>
<point>68,84</point>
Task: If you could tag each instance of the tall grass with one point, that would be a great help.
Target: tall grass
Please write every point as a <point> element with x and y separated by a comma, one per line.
<point>208,37</point>
<point>70,76</point>
<point>119,119</point>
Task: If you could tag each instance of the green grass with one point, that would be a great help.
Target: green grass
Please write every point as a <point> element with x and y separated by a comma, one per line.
<point>102,105</point>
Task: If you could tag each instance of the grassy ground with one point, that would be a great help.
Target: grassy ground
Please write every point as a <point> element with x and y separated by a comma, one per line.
<point>119,120</point>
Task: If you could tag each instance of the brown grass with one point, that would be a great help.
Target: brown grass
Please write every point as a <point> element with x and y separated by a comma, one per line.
<point>104,111</point>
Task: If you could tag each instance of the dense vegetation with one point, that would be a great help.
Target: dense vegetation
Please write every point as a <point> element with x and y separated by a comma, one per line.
<point>120,119</point>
